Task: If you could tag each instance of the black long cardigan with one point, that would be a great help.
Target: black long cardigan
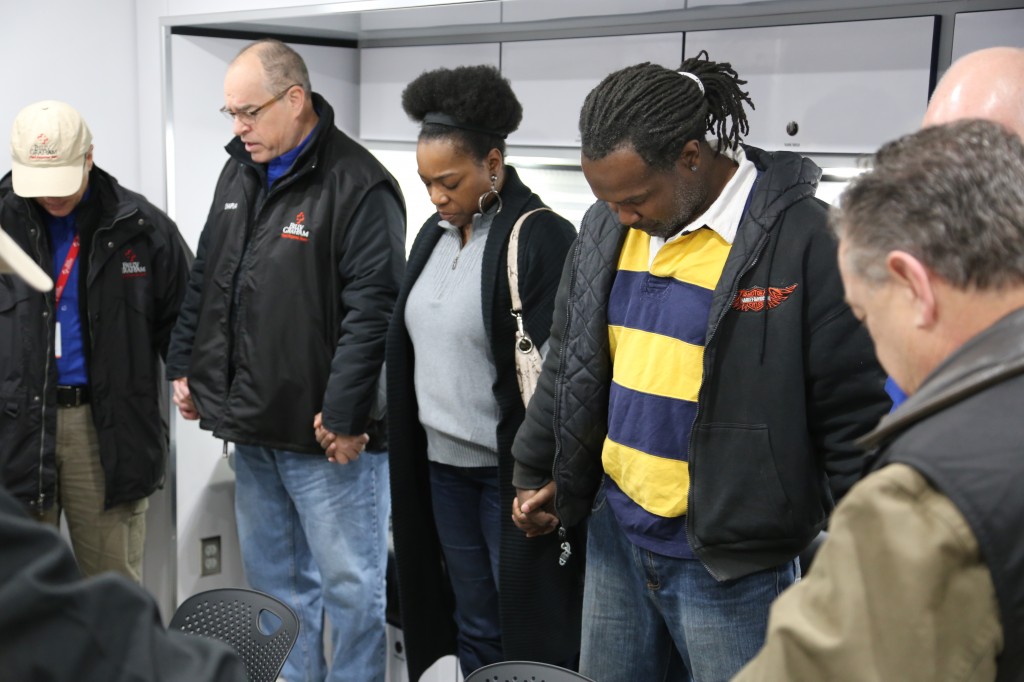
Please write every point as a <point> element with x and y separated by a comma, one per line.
<point>540,600</point>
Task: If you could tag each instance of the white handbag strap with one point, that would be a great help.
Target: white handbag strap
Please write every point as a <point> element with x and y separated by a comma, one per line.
<point>513,261</point>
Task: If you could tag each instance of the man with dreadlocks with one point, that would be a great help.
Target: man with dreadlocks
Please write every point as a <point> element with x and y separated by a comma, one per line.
<point>705,379</point>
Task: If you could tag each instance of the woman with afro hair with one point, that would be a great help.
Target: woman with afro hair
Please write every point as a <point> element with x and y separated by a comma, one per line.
<point>470,583</point>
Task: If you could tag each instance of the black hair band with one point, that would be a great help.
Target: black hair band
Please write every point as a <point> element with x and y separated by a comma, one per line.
<point>444,119</point>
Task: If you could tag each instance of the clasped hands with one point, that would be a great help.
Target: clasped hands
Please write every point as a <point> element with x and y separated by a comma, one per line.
<point>339,448</point>
<point>533,511</point>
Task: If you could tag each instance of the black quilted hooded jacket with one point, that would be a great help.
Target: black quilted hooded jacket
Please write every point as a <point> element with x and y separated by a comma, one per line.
<point>786,388</point>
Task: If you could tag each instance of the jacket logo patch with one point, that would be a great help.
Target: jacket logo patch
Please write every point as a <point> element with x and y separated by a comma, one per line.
<point>296,230</point>
<point>231,206</point>
<point>131,267</point>
<point>753,300</point>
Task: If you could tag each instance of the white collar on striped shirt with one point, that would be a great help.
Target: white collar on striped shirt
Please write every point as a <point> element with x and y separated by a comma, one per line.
<point>725,214</point>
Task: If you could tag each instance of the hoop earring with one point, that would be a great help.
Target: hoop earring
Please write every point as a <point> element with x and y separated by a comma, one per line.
<point>693,168</point>
<point>493,190</point>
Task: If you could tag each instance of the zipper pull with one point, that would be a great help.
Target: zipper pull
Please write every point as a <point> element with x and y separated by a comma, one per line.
<point>224,453</point>
<point>563,535</point>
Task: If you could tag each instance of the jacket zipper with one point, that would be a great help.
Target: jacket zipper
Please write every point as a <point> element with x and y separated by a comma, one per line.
<point>251,227</point>
<point>700,392</point>
<point>563,535</point>
<point>50,317</point>
<point>89,317</point>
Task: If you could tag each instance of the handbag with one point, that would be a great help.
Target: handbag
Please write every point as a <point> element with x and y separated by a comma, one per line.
<point>528,360</point>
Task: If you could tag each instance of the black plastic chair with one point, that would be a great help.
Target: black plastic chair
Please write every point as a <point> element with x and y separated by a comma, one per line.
<point>524,671</point>
<point>235,616</point>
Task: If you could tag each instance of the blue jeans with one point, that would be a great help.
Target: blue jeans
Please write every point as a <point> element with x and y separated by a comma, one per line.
<point>467,514</point>
<point>314,535</point>
<point>651,617</point>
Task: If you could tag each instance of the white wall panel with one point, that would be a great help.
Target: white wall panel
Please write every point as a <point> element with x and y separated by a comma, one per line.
<point>67,50</point>
<point>977,30</point>
<point>384,73</point>
<point>552,78</point>
<point>849,86</point>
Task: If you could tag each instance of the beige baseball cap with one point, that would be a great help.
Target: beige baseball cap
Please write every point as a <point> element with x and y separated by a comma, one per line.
<point>49,141</point>
<point>15,261</point>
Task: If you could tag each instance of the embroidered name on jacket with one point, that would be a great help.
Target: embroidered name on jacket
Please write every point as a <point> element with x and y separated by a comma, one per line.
<point>131,267</point>
<point>753,300</point>
<point>296,230</point>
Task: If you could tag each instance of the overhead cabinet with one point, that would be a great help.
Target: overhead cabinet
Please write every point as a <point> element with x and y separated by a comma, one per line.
<point>552,78</point>
<point>978,30</point>
<point>829,88</point>
<point>384,73</point>
<point>546,10</point>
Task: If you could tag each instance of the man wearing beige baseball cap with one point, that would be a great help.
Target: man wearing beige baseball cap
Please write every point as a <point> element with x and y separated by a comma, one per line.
<point>83,423</point>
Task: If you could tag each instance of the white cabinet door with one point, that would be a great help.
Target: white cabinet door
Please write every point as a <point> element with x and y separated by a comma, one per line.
<point>384,73</point>
<point>553,77</point>
<point>829,88</point>
<point>977,30</point>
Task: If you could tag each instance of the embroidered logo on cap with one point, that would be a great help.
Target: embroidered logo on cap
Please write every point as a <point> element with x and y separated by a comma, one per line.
<point>296,230</point>
<point>753,300</point>
<point>42,149</point>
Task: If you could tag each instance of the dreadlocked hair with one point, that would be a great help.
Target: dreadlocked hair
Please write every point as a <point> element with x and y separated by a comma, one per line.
<point>657,110</point>
<point>475,95</point>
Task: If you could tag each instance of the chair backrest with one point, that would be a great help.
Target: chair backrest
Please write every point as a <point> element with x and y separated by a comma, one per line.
<point>524,671</point>
<point>233,615</point>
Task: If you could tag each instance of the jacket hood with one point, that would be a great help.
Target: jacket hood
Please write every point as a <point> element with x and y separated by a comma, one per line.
<point>784,178</point>
<point>994,355</point>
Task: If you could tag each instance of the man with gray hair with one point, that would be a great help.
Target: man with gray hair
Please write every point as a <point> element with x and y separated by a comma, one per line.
<point>279,348</point>
<point>922,577</point>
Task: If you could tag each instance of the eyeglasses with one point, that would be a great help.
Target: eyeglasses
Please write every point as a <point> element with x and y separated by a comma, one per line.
<point>248,116</point>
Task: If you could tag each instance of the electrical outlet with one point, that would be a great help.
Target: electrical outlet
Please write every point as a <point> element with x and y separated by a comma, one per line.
<point>209,558</point>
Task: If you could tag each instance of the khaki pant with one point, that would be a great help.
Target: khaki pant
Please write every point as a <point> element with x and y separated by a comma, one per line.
<point>103,540</point>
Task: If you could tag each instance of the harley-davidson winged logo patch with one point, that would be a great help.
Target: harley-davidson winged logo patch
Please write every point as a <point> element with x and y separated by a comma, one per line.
<point>753,300</point>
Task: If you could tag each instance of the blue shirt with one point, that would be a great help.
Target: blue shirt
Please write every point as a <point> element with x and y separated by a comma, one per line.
<point>279,166</point>
<point>71,370</point>
<point>895,392</point>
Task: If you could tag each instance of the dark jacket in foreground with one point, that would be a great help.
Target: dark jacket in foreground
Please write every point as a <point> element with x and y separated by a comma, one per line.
<point>962,430</point>
<point>289,300</point>
<point>133,270</point>
<point>60,627</point>
<point>540,601</point>
<point>787,386</point>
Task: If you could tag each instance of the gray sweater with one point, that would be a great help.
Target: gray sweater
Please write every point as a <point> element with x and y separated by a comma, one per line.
<point>454,372</point>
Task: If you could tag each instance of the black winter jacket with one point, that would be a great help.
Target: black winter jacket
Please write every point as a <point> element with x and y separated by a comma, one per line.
<point>289,300</point>
<point>133,269</point>
<point>57,626</point>
<point>786,387</point>
<point>961,431</point>
<point>531,582</point>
